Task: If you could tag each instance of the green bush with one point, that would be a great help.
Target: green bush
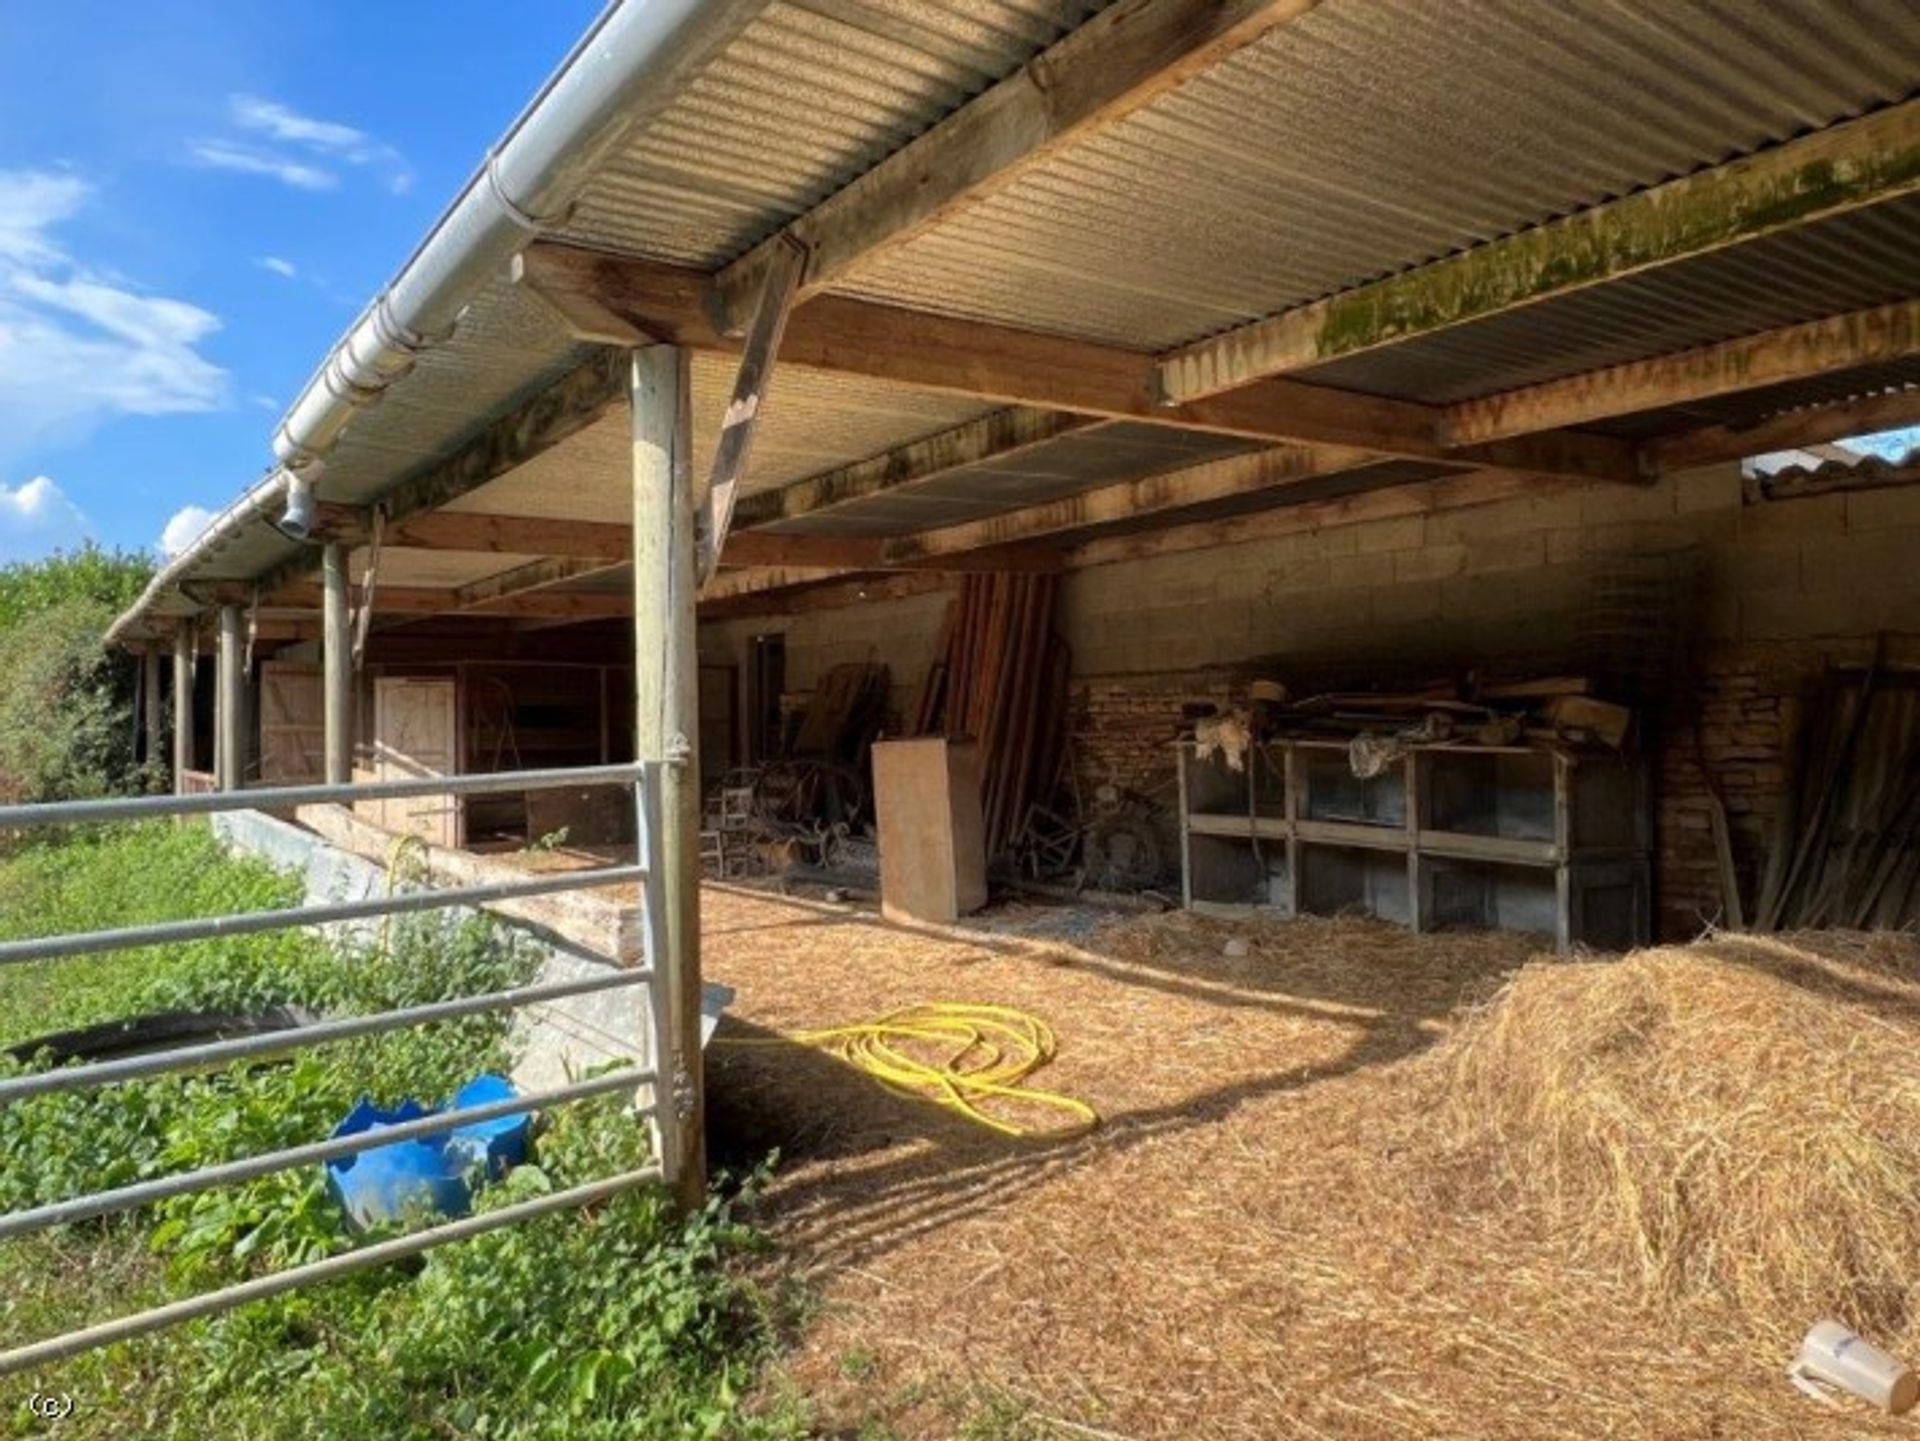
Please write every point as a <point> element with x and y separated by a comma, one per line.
<point>620,1322</point>
<point>66,701</point>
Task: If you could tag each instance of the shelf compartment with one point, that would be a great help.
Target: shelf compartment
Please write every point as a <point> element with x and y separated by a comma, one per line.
<point>1508,795</point>
<point>1229,871</point>
<point>1213,787</point>
<point>1330,791</point>
<point>1337,880</point>
<point>1487,896</point>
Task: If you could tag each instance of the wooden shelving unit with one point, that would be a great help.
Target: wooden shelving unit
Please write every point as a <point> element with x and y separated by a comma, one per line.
<point>1509,838</point>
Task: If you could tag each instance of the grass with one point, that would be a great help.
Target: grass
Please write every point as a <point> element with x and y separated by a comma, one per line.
<point>625,1321</point>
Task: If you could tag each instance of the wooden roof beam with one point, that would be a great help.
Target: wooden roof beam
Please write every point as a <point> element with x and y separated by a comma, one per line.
<point>390,600</point>
<point>1001,435</point>
<point>1174,490</point>
<point>1019,367</point>
<point>1815,425</point>
<point>1844,167</point>
<point>1773,357</point>
<point>779,592</point>
<point>1121,60</point>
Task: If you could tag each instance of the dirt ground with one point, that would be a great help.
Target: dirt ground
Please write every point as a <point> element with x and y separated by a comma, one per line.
<point>1268,1236</point>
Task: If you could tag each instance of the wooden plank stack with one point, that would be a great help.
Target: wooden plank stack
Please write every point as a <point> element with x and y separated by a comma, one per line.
<point>1002,683</point>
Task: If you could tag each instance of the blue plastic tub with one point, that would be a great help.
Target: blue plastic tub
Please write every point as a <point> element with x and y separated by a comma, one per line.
<point>435,1173</point>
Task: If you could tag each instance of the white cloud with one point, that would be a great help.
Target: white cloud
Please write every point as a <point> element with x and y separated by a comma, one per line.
<point>276,140</point>
<point>251,112</point>
<point>286,269</point>
<point>36,518</point>
<point>224,155</point>
<point>76,344</point>
<point>183,529</point>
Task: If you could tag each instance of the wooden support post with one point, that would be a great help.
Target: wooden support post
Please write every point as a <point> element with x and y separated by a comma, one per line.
<point>229,746</point>
<point>667,728</point>
<point>183,648</point>
<point>153,714</point>
<point>336,647</point>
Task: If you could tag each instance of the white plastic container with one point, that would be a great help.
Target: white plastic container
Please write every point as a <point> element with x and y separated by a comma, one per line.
<point>1835,1355</point>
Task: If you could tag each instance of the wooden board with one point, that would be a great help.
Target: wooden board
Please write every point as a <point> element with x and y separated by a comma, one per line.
<point>292,724</point>
<point>926,796</point>
<point>416,733</point>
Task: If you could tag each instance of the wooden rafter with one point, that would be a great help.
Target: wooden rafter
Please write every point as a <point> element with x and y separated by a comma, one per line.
<point>1893,410</point>
<point>1844,167</point>
<point>448,600</point>
<point>1773,357</point>
<point>1001,435</point>
<point>1130,500</point>
<point>1453,492</point>
<point>784,593</point>
<point>1020,367</point>
<point>1121,60</point>
<point>511,535</point>
<point>535,575</point>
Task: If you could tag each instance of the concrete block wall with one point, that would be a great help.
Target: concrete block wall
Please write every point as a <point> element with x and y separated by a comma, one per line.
<point>901,634</point>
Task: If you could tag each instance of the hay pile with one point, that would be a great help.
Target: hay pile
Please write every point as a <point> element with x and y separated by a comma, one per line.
<point>1338,1194</point>
<point>1736,1121</point>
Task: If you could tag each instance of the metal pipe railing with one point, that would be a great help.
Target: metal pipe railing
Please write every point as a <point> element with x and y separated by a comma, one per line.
<point>278,798</point>
<point>212,1054</point>
<point>145,1193</point>
<point>248,923</point>
<point>345,1028</point>
<point>212,1303</point>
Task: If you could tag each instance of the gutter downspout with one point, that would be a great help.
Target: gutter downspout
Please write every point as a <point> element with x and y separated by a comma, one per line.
<point>628,65</point>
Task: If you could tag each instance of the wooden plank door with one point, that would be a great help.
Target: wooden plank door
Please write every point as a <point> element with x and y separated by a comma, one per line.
<point>416,733</point>
<point>292,724</point>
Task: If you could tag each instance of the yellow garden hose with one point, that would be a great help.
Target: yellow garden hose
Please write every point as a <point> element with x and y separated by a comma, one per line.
<point>987,1052</point>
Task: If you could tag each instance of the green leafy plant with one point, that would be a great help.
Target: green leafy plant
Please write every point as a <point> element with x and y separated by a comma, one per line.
<point>618,1321</point>
<point>65,698</point>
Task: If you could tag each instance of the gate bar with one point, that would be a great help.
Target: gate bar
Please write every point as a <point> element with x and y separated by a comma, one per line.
<point>279,798</point>
<point>142,1193</point>
<point>346,1028</point>
<point>125,1328</point>
<point>247,923</point>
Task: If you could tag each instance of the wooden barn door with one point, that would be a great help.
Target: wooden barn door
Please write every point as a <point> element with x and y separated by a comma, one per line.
<point>292,725</point>
<point>416,733</point>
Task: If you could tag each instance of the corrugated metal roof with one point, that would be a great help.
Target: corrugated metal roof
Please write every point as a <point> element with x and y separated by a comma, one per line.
<point>1852,262</point>
<point>1367,137</point>
<point>808,97</point>
<point>1374,135</point>
<point>1066,465</point>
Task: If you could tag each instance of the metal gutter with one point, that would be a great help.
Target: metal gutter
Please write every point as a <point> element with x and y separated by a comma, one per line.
<point>260,504</point>
<point>631,62</point>
<point>624,69</point>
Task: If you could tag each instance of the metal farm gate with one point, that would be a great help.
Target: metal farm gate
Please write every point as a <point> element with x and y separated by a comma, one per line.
<point>645,874</point>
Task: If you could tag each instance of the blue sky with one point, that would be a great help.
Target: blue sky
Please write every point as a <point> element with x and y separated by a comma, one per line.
<point>195,200</point>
